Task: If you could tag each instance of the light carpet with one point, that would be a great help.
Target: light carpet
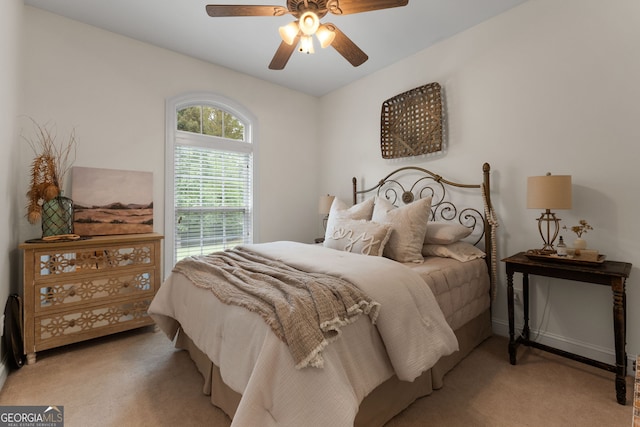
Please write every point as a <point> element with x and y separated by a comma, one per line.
<point>137,378</point>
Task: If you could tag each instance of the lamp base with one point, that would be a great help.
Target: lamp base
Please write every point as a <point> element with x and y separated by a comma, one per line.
<point>550,218</point>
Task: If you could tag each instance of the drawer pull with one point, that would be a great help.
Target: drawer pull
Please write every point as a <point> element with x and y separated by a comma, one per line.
<point>72,323</point>
<point>125,285</point>
<point>126,312</point>
<point>72,293</point>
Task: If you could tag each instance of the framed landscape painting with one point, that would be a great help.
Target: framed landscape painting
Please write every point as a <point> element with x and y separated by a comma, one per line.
<point>111,201</point>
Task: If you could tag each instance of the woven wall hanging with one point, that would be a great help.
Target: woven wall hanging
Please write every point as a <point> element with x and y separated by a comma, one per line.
<point>411,123</point>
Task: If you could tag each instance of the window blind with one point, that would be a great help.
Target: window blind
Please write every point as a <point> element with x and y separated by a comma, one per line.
<point>212,198</point>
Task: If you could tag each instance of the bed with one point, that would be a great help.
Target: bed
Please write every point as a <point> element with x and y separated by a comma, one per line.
<point>416,314</point>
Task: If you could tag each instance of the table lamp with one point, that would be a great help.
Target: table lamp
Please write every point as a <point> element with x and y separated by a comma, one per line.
<point>549,192</point>
<point>324,207</point>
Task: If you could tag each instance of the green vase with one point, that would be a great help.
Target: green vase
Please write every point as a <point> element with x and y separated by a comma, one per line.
<point>57,216</point>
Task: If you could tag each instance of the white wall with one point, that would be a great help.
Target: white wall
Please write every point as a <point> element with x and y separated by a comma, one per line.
<point>10,23</point>
<point>547,86</point>
<point>112,90</point>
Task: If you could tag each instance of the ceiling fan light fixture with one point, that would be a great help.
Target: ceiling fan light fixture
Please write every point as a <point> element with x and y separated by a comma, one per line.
<point>309,23</point>
<point>306,44</point>
<point>299,34</point>
<point>325,36</point>
<point>289,32</point>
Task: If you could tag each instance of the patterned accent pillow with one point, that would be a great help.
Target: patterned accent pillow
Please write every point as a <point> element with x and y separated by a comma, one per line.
<point>409,224</point>
<point>339,210</point>
<point>444,233</point>
<point>358,236</point>
<point>462,251</point>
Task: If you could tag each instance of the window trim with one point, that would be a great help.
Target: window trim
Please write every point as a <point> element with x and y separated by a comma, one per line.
<point>172,134</point>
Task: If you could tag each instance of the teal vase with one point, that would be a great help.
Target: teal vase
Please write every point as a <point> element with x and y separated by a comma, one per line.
<point>57,216</point>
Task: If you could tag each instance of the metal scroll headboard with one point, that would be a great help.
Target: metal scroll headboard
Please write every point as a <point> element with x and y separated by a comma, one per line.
<point>451,201</point>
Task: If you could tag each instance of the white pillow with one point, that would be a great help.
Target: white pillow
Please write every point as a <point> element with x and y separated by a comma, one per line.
<point>462,251</point>
<point>409,225</point>
<point>358,236</point>
<point>340,210</point>
<point>444,233</point>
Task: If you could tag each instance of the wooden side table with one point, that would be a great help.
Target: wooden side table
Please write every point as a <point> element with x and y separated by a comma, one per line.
<point>607,273</point>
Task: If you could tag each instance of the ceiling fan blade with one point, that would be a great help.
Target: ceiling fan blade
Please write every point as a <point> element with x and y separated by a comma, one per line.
<point>283,54</point>
<point>216,10</point>
<point>347,48</point>
<point>347,7</point>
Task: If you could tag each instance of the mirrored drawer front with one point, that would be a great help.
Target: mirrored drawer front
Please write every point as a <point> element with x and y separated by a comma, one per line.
<point>60,261</point>
<point>92,289</point>
<point>93,321</point>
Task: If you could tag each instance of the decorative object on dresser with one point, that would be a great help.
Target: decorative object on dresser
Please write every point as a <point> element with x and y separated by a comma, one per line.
<point>112,201</point>
<point>549,192</point>
<point>48,169</point>
<point>86,288</point>
<point>411,123</point>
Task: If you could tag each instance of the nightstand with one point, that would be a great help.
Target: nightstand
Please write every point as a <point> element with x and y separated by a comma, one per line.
<point>607,273</point>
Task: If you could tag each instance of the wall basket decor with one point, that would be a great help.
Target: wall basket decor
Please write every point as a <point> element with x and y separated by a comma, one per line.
<point>411,123</point>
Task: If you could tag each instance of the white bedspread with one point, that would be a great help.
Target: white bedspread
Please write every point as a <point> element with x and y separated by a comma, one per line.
<point>255,363</point>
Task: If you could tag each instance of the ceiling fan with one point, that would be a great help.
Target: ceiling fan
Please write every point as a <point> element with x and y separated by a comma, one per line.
<point>308,14</point>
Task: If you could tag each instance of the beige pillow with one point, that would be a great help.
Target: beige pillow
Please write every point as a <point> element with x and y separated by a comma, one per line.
<point>444,233</point>
<point>462,251</point>
<point>358,236</point>
<point>409,225</point>
<point>340,210</point>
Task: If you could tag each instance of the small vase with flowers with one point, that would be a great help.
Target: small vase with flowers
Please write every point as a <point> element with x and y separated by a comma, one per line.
<point>579,243</point>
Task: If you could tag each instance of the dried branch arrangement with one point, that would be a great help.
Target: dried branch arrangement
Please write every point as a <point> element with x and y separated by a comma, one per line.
<point>51,163</point>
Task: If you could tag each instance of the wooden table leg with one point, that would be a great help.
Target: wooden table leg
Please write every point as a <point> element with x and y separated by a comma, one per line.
<point>620,329</point>
<point>525,306</point>
<point>512,340</point>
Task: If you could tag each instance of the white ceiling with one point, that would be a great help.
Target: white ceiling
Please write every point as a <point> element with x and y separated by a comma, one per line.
<point>247,44</point>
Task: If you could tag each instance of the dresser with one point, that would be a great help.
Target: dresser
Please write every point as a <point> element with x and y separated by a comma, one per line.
<point>78,290</point>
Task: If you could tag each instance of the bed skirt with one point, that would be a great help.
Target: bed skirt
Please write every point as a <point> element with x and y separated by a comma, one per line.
<point>386,401</point>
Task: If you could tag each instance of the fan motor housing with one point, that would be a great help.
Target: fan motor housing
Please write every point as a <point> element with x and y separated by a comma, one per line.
<point>298,7</point>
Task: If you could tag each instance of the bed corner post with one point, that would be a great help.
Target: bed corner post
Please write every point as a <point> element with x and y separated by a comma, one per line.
<point>355,189</point>
<point>486,183</point>
<point>490,239</point>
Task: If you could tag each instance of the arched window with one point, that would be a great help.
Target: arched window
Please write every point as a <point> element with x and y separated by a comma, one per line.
<point>209,176</point>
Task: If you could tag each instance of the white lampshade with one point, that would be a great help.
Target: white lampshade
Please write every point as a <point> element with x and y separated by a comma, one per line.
<point>306,45</point>
<point>325,36</point>
<point>289,32</point>
<point>324,205</point>
<point>549,192</point>
<point>309,23</point>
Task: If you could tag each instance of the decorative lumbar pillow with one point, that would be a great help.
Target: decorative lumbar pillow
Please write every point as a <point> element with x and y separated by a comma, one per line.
<point>409,225</point>
<point>340,210</point>
<point>444,233</point>
<point>358,236</point>
<point>462,251</point>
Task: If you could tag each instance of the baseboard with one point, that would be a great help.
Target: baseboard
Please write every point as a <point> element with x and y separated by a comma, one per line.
<point>602,354</point>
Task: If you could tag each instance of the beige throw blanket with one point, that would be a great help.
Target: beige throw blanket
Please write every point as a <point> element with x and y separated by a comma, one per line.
<point>305,310</point>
